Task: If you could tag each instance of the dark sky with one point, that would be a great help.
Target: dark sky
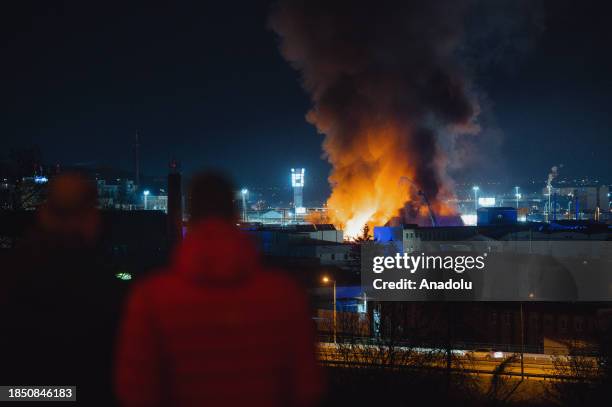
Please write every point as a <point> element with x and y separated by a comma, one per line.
<point>206,84</point>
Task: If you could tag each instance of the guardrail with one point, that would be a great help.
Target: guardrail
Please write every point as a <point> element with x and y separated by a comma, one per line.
<point>367,355</point>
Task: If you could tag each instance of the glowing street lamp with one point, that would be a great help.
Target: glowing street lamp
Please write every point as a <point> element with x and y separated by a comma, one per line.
<point>146,193</point>
<point>244,193</point>
<point>475,188</point>
<point>327,280</point>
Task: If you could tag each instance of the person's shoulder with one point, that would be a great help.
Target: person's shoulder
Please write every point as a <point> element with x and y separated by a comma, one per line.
<point>152,283</point>
<point>281,282</point>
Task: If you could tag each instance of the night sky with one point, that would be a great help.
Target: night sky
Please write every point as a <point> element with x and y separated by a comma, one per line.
<point>205,84</point>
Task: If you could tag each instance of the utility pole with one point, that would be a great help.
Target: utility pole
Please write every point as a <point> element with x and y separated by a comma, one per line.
<point>335,312</point>
<point>522,344</point>
<point>326,280</point>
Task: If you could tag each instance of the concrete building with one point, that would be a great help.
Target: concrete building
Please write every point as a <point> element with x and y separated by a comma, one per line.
<point>157,203</point>
<point>117,194</point>
<point>321,242</point>
<point>589,201</point>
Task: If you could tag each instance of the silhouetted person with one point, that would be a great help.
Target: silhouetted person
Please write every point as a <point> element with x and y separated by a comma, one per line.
<point>216,329</point>
<point>59,319</point>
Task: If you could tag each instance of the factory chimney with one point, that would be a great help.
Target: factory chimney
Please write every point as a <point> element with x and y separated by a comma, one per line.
<point>175,204</point>
<point>137,160</point>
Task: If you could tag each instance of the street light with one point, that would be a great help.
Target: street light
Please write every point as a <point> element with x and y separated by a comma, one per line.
<point>244,192</point>
<point>146,193</point>
<point>517,195</point>
<point>327,280</point>
<point>475,188</point>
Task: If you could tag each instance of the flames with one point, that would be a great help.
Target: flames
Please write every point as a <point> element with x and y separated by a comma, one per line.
<point>373,182</point>
<point>385,88</point>
<point>366,181</point>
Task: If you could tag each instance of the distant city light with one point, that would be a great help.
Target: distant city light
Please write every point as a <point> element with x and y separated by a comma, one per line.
<point>40,179</point>
<point>146,192</point>
<point>244,191</point>
<point>469,219</point>
<point>486,201</point>
<point>123,276</point>
<point>300,210</point>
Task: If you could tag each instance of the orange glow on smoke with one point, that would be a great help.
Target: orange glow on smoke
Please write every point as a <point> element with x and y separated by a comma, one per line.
<point>390,98</point>
<point>371,181</point>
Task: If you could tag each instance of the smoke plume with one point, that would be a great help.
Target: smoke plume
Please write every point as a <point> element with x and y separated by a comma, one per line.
<point>554,172</point>
<point>385,86</point>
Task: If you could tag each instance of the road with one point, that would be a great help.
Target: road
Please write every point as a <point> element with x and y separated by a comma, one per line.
<point>536,366</point>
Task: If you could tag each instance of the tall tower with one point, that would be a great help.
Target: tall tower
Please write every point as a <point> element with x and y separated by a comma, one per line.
<point>137,160</point>
<point>175,204</point>
<point>297,182</point>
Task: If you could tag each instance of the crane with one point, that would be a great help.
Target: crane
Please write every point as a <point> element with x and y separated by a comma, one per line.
<point>432,216</point>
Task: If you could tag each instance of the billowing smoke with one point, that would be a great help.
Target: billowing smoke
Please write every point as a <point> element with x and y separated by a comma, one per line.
<point>385,86</point>
<point>554,172</point>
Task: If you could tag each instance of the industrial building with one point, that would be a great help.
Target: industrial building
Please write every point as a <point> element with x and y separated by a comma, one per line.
<point>494,223</point>
<point>322,242</point>
<point>582,202</point>
<point>256,208</point>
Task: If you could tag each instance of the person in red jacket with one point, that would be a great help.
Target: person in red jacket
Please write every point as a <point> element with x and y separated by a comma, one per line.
<point>216,328</point>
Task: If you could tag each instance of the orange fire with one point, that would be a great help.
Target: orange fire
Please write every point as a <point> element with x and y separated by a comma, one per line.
<point>372,180</point>
<point>387,91</point>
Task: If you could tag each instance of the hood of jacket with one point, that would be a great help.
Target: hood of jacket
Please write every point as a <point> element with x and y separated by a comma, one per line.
<point>215,251</point>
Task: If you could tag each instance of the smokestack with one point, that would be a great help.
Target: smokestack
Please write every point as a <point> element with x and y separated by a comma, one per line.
<point>175,204</point>
<point>137,160</point>
<point>554,172</point>
<point>385,88</point>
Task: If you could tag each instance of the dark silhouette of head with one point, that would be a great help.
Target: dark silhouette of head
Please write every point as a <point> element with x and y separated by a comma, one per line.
<point>70,209</point>
<point>212,196</point>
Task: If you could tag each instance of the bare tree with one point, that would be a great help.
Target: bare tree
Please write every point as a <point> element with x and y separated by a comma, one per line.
<point>577,376</point>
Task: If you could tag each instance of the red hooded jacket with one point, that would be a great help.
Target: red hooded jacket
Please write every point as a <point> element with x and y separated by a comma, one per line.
<point>216,329</point>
